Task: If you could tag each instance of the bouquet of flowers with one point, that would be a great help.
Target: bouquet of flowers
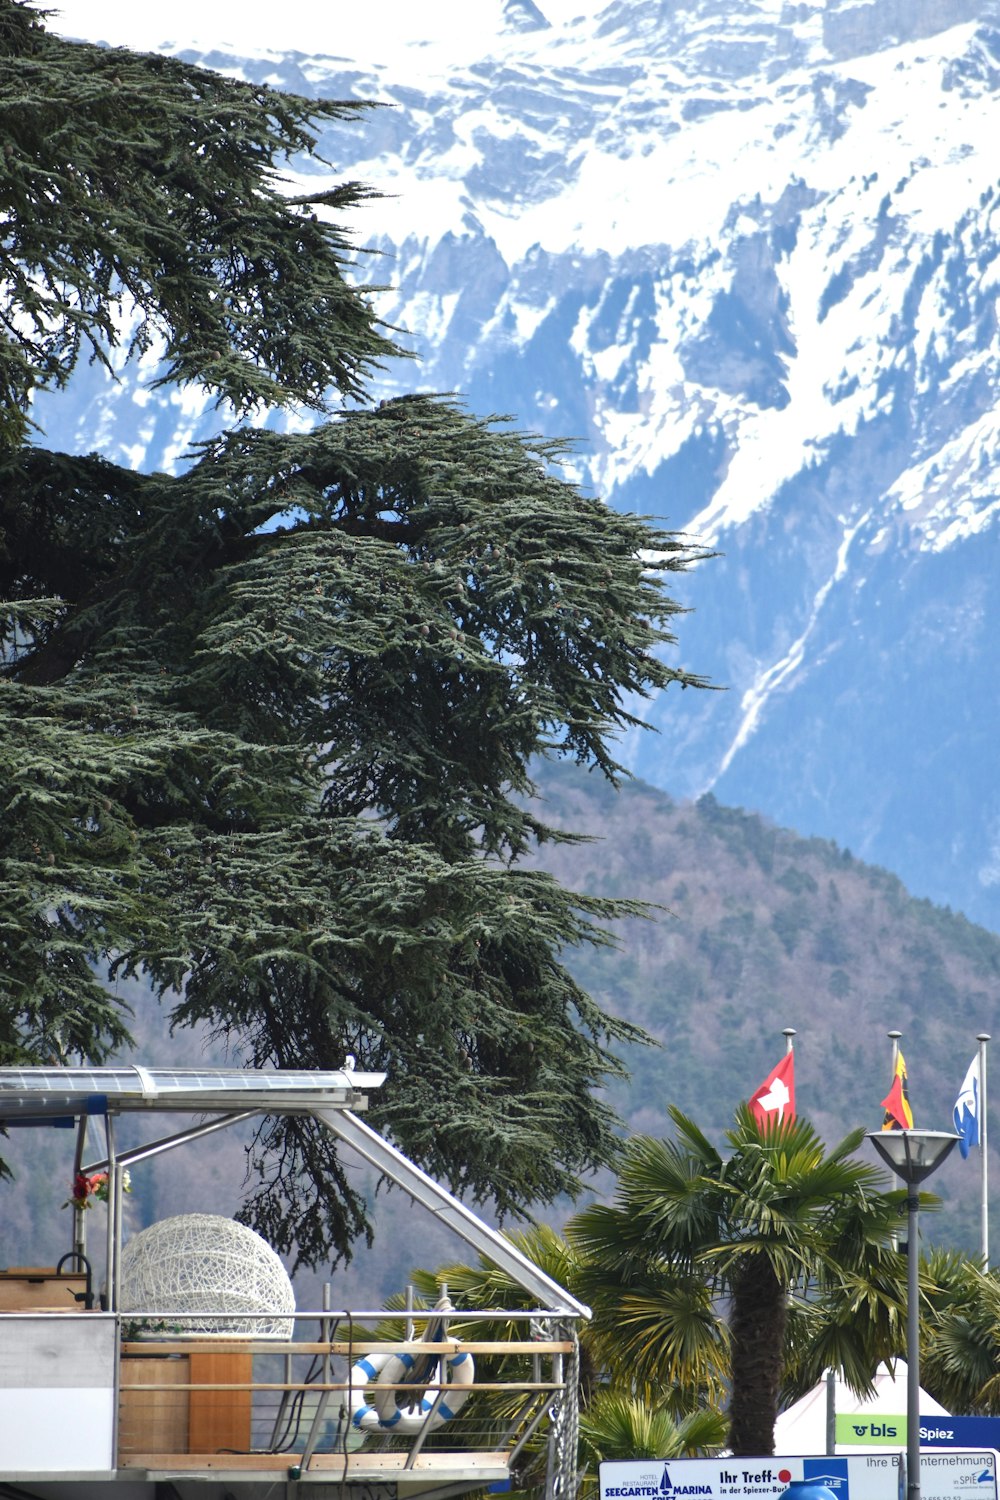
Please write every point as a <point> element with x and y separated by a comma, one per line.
<point>96,1187</point>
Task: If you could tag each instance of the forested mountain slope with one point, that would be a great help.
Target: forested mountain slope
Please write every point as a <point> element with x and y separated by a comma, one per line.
<point>757,929</point>
<point>760,929</point>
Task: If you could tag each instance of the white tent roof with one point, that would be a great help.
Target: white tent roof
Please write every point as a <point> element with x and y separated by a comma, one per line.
<point>802,1428</point>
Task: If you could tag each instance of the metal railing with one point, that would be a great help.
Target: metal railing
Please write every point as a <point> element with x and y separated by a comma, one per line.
<point>208,1400</point>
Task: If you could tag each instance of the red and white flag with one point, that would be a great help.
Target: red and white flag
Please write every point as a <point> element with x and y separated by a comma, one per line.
<point>775,1099</point>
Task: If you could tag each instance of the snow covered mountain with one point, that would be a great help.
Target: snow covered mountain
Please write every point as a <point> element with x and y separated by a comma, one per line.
<point>747,254</point>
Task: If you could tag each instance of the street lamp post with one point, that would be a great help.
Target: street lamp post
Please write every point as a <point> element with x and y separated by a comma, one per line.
<point>913,1155</point>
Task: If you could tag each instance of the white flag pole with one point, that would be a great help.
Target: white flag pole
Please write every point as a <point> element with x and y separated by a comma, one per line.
<point>894,1037</point>
<point>788,1033</point>
<point>984,1206</point>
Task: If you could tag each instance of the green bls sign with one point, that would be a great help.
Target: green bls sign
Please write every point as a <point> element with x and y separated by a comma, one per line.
<point>884,1431</point>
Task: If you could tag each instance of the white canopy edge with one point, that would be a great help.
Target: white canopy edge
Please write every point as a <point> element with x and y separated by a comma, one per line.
<point>28,1094</point>
<point>448,1210</point>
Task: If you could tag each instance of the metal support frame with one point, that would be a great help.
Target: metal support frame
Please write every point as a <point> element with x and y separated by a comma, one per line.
<point>533,1425</point>
<point>449,1210</point>
<point>167,1142</point>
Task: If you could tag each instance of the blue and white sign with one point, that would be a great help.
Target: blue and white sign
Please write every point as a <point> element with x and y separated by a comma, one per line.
<point>948,1474</point>
<point>960,1432</point>
<point>854,1477</point>
<point>888,1430</point>
<point>945,1474</point>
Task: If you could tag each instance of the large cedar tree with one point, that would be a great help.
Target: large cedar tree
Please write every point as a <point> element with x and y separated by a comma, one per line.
<point>266,725</point>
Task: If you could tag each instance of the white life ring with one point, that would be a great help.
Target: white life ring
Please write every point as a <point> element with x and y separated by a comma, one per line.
<point>393,1369</point>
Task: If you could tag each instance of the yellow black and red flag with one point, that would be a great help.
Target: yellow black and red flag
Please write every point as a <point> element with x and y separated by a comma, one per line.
<point>898,1114</point>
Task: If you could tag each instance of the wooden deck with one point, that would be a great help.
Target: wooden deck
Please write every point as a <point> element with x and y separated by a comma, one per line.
<point>372,1468</point>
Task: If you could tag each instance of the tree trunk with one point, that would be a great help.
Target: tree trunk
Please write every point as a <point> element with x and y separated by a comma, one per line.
<point>757,1324</point>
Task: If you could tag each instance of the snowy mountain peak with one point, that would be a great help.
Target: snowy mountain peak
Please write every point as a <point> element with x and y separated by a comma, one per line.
<point>523,15</point>
<point>748,257</point>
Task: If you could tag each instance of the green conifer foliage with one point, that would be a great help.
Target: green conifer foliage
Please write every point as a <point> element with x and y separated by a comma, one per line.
<point>266,725</point>
<point>139,192</point>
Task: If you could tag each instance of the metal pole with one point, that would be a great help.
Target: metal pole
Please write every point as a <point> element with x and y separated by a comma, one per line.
<point>327,1334</point>
<point>79,1216</point>
<point>116,1207</point>
<point>788,1033</point>
<point>984,1215</point>
<point>913,1155</point>
<point>912,1351</point>
<point>111,1268</point>
<point>831,1411</point>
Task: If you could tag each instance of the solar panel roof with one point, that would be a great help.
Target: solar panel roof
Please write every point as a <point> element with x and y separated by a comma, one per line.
<point>29,1093</point>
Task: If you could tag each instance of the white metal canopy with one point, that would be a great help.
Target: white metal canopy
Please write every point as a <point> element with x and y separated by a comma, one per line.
<point>39,1093</point>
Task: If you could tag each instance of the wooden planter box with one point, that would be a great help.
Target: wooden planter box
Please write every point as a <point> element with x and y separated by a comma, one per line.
<point>39,1289</point>
<point>153,1419</point>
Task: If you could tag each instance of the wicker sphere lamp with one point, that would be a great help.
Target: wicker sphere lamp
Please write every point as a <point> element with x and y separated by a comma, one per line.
<point>204,1264</point>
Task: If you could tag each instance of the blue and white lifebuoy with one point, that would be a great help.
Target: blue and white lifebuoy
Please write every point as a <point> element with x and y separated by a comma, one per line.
<point>394,1369</point>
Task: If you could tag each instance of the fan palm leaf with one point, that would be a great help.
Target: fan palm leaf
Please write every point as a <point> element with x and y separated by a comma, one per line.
<point>960,1335</point>
<point>618,1427</point>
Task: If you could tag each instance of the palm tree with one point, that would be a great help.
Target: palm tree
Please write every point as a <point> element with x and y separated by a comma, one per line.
<point>780,1217</point>
<point>960,1334</point>
<point>650,1361</point>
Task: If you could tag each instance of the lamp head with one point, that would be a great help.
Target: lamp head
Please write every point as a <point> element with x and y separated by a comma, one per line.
<point>912,1154</point>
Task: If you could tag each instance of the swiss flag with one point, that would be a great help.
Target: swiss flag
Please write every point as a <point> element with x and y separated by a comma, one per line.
<point>775,1099</point>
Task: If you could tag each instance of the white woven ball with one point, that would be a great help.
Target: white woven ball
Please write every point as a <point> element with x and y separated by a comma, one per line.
<point>203,1263</point>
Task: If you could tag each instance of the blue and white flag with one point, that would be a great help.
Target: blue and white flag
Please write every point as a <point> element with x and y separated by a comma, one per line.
<point>966,1111</point>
